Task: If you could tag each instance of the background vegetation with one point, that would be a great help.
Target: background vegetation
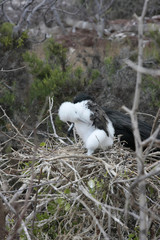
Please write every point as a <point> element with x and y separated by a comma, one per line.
<point>49,189</point>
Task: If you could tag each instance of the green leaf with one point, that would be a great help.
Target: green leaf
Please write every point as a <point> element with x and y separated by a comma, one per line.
<point>42,144</point>
<point>67,207</point>
<point>67,191</point>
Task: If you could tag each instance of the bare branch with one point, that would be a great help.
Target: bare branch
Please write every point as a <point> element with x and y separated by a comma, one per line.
<point>34,10</point>
<point>95,219</point>
<point>12,70</point>
<point>156,120</point>
<point>52,123</point>
<point>5,14</point>
<point>141,69</point>
<point>138,144</point>
<point>154,172</point>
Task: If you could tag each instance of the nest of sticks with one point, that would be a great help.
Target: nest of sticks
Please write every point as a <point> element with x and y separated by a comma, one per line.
<point>56,191</point>
<point>53,190</point>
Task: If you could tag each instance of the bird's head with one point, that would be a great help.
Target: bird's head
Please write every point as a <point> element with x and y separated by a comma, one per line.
<point>68,112</point>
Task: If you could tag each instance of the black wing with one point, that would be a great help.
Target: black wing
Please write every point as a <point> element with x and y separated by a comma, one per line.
<point>122,125</point>
<point>98,116</point>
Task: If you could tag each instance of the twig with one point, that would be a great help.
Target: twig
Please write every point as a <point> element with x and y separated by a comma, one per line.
<point>140,69</point>
<point>154,172</point>
<point>16,129</point>
<point>88,195</point>
<point>52,123</point>
<point>138,144</point>
<point>15,213</point>
<point>94,219</point>
<point>156,120</point>
<point>12,70</point>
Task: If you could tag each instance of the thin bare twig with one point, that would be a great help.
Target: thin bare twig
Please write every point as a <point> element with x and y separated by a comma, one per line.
<point>52,122</point>
<point>141,69</point>
<point>12,70</point>
<point>138,143</point>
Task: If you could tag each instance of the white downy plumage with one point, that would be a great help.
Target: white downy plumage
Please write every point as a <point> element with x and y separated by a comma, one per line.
<point>80,115</point>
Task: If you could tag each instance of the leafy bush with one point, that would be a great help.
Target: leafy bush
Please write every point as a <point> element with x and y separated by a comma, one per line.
<point>6,37</point>
<point>7,99</point>
<point>56,54</point>
<point>6,31</point>
<point>152,85</point>
<point>53,76</point>
<point>152,60</point>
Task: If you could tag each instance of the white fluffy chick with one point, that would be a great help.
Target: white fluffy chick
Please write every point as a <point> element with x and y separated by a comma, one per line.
<point>82,116</point>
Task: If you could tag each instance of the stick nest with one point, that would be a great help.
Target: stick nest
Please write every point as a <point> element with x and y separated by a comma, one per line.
<point>65,194</point>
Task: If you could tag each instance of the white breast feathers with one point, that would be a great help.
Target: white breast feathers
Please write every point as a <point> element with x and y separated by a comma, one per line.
<point>80,115</point>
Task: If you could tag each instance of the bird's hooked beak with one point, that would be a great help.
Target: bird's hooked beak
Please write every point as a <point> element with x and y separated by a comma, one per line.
<point>70,129</point>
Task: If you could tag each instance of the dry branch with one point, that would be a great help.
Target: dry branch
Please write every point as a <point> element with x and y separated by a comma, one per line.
<point>142,176</point>
<point>141,69</point>
<point>68,167</point>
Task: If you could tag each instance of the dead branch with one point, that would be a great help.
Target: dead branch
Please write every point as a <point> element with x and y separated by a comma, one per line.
<point>52,122</point>
<point>95,219</point>
<point>156,120</point>
<point>133,114</point>
<point>68,168</point>
<point>12,70</point>
<point>141,69</point>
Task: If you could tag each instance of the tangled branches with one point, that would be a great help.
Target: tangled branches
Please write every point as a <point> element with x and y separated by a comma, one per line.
<point>55,191</point>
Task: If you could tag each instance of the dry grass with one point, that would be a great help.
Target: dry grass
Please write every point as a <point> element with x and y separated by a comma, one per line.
<point>68,195</point>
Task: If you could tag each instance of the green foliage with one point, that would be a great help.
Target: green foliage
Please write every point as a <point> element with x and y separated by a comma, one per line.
<point>152,85</point>
<point>78,73</point>
<point>56,54</point>
<point>152,53</point>
<point>46,79</point>
<point>6,31</point>
<point>7,98</point>
<point>134,235</point>
<point>95,74</point>
<point>110,66</point>
<point>51,227</point>
<point>21,40</point>
<point>97,188</point>
<point>155,36</point>
<point>67,191</point>
<point>79,79</point>
<point>52,76</point>
<point>152,48</point>
<point>6,37</point>
<point>42,144</point>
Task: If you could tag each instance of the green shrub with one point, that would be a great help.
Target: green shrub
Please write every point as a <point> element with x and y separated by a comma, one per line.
<point>152,58</point>
<point>48,80</point>
<point>53,76</point>
<point>6,37</point>
<point>6,31</point>
<point>7,99</point>
<point>152,85</point>
<point>56,54</point>
<point>110,66</point>
<point>22,39</point>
